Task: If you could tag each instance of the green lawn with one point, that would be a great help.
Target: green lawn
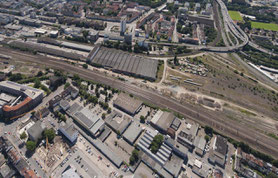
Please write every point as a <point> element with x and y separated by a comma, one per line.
<point>265,26</point>
<point>235,15</point>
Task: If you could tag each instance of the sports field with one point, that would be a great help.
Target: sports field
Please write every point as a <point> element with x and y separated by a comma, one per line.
<point>265,26</point>
<point>235,15</point>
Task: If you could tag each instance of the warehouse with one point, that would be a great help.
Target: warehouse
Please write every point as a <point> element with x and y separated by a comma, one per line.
<point>132,133</point>
<point>122,62</point>
<point>127,104</point>
<point>117,122</point>
<point>89,121</point>
<point>42,49</point>
<point>165,123</point>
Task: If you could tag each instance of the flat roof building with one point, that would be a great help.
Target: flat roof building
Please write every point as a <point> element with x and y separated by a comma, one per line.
<point>200,144</point>
<point>217,154</point>
<point>70,132</point>
<point>132,133</point>
<point>70,173</point>
<point>123,62</point>
<point>64,104</point>
<point>26,98</point>
<point>35,132</point>
<point>166,123</point>
<point>127,104</point>
<point>117,121</point>
<point>93,123</point>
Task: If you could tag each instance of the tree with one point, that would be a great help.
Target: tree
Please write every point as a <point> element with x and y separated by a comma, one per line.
<point>23,135</point>
<point>176,60</point>
<point>134,157</point>
<point>40,73</point>
<point>15,77</point>
<point>50,134</point>
<point>271,175</point>
<point>76,77</point>
<point>207,138</point>
<point>85,66</point>
<point>103,116</point>
<point>275,163</point>
<point>37,83</point>
<point>156,143</point>
<point>208,130</point>
<point>85,33</point>
<point>31,146</point>
<point>109,110</point>
<point>66,85</point>
<point>142,119</point>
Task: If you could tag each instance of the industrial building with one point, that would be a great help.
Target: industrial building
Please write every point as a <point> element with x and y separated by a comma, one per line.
<point>122,62</point>
<point>17,99</point>
<point>70,132</point>
<point>117,122</point>
<point>90,121</point>
<point>43,49</point>
<point>187,136</point>
<point>202,19</point>
<point>127,104</point>
<point>163,153</point>
<point>35,132</point>
<point>132,133</point>
<point>217,154</point>
<point>166,123</point>
<point>200,144</point>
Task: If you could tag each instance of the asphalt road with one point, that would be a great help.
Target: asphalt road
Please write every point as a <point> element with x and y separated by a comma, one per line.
<point>199,114</point>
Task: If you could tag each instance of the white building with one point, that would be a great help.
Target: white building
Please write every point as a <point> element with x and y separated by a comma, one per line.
<point>70,132</point>
<point>123,25</point>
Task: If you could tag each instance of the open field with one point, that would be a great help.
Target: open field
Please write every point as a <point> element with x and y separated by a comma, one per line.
<point>265,26</point>
<point>225,80</point>
<point>235,15</point>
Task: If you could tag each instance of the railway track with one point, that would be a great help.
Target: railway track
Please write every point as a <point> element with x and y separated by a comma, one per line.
<point>233,129</point>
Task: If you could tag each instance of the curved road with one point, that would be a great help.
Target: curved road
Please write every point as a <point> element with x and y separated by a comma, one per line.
<point>221,124</point>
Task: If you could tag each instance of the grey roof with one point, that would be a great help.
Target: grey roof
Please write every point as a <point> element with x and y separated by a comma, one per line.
<point>69,129</point>
<point>51,51</point>
<point>70,173</point>
<point>97,126</point>
<point>2,159</point>
<point>28,91</point>
<point>89,120</point>
<point>117,121</point>
<point>36,130</point>
<point>64,104</point>
<point>124,62</point>
<point>127,103</point>
<point>86,117</point>
<point>116,159</point>
<point>200,143</point>
<point>74,108</point>
<point>6,171</point>
<point>174,165</point>
<point>132,132</point>
<point>165,120</point>
<point>221,145</point>
<point>176,124</point>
